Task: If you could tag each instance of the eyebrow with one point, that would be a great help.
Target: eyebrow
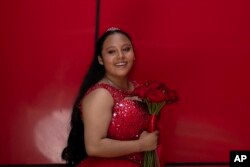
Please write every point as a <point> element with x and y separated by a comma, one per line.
<point>110,47</point>
<point>127,44</point>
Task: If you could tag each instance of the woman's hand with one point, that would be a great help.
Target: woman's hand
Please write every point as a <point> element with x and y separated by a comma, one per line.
<point>148,140</point>
<point>135,98</point>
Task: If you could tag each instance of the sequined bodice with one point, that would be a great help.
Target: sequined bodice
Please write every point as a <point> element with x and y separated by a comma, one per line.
<point>129,118</point>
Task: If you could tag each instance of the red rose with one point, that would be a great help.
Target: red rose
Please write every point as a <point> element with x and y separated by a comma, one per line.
<point>171,97</point>
<point>140,91</point>
<point>157,91</point>
<point>156,85</point>
<point>156,96</point>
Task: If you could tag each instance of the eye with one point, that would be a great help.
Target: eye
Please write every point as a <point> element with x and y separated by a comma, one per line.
<point>111,51</point>
<point>126,49</point>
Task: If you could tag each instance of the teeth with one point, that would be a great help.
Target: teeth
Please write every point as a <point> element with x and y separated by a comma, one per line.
<point>120,64</point>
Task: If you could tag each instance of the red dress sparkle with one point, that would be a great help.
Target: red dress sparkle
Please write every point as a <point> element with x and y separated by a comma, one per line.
<point>129,120</point>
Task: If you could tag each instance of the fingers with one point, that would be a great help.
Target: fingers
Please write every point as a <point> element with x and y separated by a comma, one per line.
<point>136,98</point>
<point>144,133</point>
<point>149,140</point>
<point>156,132</point>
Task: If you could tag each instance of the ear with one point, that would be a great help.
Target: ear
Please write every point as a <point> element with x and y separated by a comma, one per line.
<point>100,60</point>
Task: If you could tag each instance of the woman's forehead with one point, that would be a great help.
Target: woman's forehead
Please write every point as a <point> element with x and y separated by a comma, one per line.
<point>116,39</point>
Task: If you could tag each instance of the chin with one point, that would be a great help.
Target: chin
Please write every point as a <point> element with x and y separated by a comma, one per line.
<point>122,74</point>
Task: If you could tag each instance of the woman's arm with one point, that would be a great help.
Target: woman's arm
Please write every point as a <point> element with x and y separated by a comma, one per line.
<point>97,113</point>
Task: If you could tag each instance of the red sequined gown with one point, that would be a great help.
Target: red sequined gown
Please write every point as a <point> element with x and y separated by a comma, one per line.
<point>129,120</point>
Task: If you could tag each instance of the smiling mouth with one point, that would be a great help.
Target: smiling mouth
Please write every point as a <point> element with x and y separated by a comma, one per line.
<point>121,64</point>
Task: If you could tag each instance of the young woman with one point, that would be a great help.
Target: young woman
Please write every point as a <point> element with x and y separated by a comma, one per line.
<point>108,127</point>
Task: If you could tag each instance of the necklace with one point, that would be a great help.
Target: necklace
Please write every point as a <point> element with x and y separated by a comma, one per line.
<point>115,85</point>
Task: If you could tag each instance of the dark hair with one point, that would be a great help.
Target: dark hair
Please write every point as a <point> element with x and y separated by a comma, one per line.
<point>75,150</point>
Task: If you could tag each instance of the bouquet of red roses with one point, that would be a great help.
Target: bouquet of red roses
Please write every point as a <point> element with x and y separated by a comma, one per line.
<point>156,95</point>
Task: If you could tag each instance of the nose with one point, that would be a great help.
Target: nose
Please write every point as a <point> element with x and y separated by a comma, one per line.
<point>121,54</point>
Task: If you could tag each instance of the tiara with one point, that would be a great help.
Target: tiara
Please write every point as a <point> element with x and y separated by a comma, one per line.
<point>112,29</point>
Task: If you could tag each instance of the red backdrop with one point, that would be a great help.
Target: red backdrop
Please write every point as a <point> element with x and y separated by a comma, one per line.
<point>200,48</point>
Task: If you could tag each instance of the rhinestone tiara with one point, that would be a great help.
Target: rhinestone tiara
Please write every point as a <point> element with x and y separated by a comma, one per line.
<point>112,29</point>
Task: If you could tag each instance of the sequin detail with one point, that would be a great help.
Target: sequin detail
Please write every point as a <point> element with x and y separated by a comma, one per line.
<point>129,118</point>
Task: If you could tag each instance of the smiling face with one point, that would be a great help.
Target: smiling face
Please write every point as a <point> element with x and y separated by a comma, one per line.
<point>117,55</point>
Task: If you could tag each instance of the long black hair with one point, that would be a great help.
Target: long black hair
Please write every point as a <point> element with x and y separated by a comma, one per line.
<point>75,150</point>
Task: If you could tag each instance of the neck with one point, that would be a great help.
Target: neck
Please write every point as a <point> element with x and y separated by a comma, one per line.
<point>120,83</point>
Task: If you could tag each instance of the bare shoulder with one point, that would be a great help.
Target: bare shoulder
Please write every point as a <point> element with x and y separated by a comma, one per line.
<point>99,98</point>
<point>98,94</point>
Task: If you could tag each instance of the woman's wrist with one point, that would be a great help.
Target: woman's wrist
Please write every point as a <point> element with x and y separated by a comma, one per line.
<point>140,145</point>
